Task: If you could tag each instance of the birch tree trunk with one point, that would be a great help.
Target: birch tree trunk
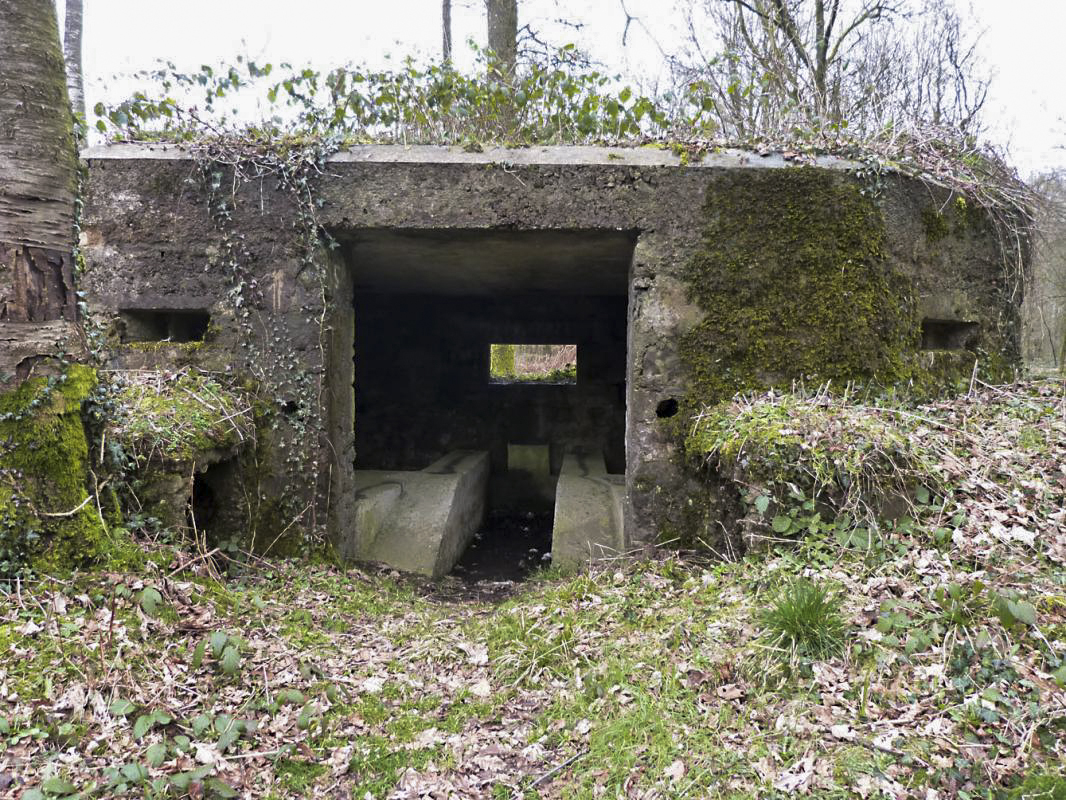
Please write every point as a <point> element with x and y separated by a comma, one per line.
<point>72,28</point>
<point>38,168</point>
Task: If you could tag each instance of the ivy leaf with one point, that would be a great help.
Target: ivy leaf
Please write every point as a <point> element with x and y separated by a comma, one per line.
<point>135,773</point>
<point>1022,611</point>
<point>781,524</point>
<point>59,786</point>
<point>156,754</point>
<point>151,600</point>
<point>122,708</point>
<point>223,722</point>
<point>220,788</point>
<point>1060,676</point>
<point>227,739</point>
<point>142,725</point>
<point>291,696</point>
<point>231,660</point>
<point>198,654</point>
<point>218,643</point>
<point>183,779</point>
<point>200,724</point>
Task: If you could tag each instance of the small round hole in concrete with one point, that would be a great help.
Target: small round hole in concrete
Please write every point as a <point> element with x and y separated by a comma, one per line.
<point>666,408</point>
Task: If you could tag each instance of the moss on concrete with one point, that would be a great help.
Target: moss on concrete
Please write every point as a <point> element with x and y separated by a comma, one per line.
<point>48,521</point>
<point>936,225</point>
<point>175,419</point>
<point>792,275</point>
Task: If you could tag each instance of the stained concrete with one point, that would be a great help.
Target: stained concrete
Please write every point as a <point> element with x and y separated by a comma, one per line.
<point>418,521</point>
<point>589,516</point>
<point>466,263</point>
<point>150,244</point>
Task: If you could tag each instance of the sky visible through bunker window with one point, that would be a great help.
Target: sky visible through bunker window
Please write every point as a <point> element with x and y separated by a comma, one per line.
<point>533,363</point>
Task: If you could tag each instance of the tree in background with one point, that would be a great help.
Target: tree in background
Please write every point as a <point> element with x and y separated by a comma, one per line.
<point>503,34</point>
<point>1044,314</point>
<point>72,29</point>
<point>38,167</point>
<point>772,65</point>
<point>446,30</point>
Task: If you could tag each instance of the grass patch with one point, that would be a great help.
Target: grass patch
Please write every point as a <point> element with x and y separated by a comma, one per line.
<point>804,622</point>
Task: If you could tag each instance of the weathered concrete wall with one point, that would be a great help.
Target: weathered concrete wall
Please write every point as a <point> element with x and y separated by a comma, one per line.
<point>1044,310</point>
<point>150,243</point>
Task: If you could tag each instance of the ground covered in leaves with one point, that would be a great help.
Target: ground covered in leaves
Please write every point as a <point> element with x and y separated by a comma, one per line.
<point>924,659</point>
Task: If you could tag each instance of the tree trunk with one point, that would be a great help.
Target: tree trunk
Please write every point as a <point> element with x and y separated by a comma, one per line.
<point>446,30</point>
<point>38,168</point>
<point>503,34</point>
<point>72,28</point>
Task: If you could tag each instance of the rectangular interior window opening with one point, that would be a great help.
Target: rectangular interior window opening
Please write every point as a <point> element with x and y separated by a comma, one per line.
<point>533,363</point>
<point>163,325</point>
<point>948,334</point>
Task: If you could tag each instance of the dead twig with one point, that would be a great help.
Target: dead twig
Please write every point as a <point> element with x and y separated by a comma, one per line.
<point>556,770</point>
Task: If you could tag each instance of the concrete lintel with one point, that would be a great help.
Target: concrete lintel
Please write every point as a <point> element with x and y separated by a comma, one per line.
<point>559,155</point>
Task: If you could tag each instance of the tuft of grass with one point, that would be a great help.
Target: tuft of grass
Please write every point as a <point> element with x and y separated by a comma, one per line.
<point>805,621</point>
<point>529,648</point>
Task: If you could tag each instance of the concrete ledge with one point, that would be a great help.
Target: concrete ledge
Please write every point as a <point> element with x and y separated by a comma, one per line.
<point>588,513</point>
<point>419,521</point>
<point>540,155</point>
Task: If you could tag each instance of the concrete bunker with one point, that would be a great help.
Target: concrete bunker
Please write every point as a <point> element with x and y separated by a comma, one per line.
<point>429,305</point>
<point>733,272</point>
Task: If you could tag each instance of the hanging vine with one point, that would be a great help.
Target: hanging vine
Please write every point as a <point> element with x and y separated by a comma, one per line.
<point>225,166</point>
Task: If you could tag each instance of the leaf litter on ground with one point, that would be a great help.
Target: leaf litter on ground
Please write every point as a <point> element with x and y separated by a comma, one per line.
<point>641,678</point>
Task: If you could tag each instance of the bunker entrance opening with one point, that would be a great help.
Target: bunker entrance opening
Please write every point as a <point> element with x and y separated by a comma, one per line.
<point>431,310</point>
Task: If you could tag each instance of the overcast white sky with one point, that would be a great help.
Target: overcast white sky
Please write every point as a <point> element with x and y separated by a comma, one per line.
<point>1023,43</point>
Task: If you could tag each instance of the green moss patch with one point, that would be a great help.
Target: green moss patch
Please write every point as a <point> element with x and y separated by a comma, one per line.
<point>814,444</point>
<point>170,418</point>
<point>47,518</point>
<point>792,275</point>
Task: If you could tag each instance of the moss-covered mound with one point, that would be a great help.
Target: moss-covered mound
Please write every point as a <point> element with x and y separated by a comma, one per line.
<point>799,463</point>
<point>48,519</point>
<point>169,427</point>
<point>171,418</point>
<point>794,281</point>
